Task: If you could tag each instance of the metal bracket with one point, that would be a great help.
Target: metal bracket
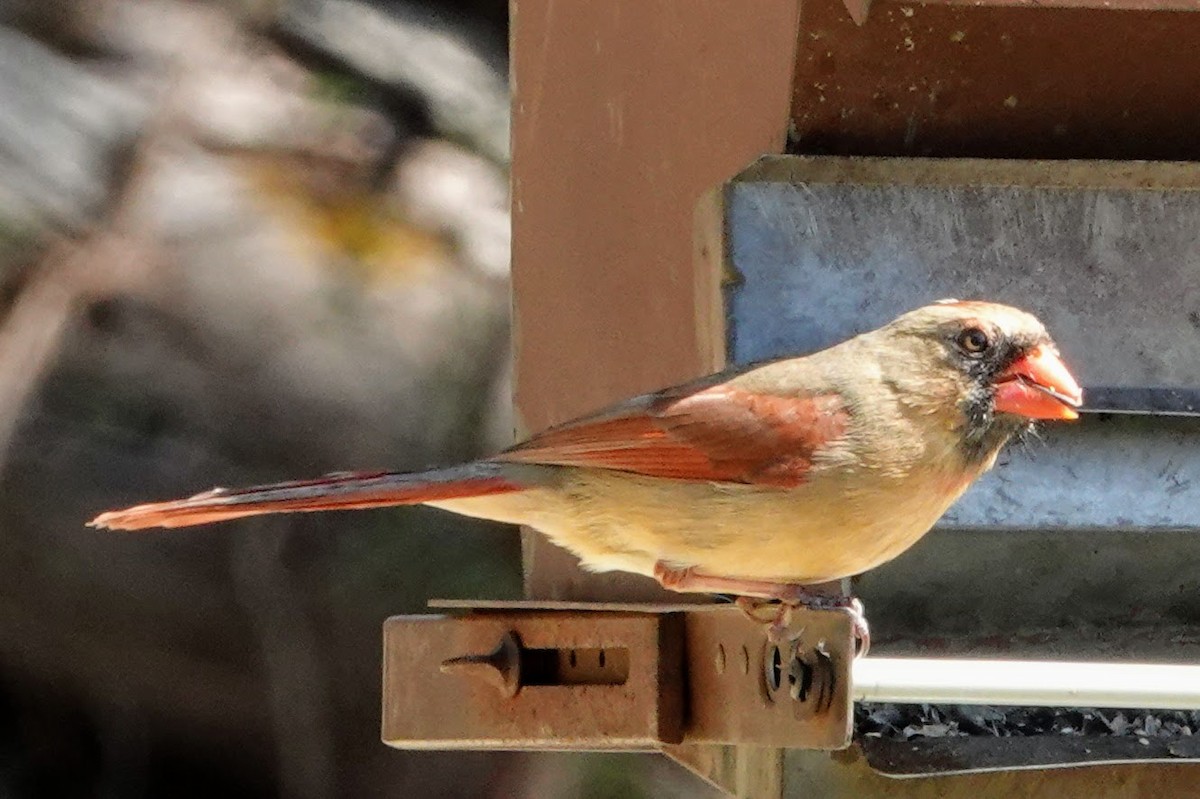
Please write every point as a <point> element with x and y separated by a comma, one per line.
<point>536,675</point>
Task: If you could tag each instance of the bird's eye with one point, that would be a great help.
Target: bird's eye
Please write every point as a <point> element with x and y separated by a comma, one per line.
<point>973,341</point>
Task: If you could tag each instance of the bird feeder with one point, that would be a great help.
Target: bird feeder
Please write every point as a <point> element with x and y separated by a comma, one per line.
<point>698,189</point>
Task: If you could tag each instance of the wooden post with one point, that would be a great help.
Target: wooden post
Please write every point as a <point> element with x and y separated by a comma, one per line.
<point>625,113</point>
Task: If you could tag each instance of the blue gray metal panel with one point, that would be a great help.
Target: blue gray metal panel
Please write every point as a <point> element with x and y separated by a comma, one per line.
<point>827,247</point>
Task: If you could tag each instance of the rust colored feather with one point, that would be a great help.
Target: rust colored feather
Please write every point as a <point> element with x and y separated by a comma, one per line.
<point>351,491</point>
<point>719,433</point>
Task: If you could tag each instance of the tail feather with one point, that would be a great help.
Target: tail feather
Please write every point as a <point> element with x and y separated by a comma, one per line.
<point>343,491</point>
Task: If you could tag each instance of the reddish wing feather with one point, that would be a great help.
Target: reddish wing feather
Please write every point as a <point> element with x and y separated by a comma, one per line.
<point>721,433</point>
<point>347,491</point>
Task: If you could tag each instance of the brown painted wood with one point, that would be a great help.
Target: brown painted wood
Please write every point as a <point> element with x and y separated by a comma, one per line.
<point>625,113</point>
<point>1098,5</point>
<point>997,82</point>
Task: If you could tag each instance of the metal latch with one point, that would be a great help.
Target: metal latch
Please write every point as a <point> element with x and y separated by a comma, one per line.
<point>533,675</point>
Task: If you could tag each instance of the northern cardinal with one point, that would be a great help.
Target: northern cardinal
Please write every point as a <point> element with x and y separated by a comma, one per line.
<point>756,481</point>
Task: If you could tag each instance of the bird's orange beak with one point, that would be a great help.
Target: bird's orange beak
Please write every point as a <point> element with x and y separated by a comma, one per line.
<point>1038,386</point>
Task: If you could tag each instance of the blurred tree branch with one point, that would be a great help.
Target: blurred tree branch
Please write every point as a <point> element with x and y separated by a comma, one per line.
<point>111,254</point>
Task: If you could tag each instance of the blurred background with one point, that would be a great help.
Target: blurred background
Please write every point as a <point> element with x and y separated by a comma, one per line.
<point>243,242</point>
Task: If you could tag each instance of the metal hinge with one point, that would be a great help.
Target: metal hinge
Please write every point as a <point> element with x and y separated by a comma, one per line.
<point>535,675</point>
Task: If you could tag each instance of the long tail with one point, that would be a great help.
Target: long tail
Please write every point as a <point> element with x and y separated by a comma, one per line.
<point>333,492</point>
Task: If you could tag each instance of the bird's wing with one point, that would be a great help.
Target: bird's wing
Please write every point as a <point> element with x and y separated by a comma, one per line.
<point>721,433</point>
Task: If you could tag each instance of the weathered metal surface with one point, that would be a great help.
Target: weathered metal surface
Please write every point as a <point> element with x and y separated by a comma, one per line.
<point>828,247</point>
<point>538,676</point>
<point>1119,472</point>
<point>571,704</point>
<point>744,690</point>
<point>1104,594</point>
<point>825,255</point>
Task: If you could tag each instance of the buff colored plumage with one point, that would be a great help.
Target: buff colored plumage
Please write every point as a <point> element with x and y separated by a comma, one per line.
<point>754,481</point>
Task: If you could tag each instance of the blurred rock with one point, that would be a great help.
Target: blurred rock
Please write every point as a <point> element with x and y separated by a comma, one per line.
<point>315,303</point>
<point>234,90</point>
<point>286,317</point>
<point>65,24</point>
<point>453,69</point>
<point>458,194</point>
<point>61,135</point>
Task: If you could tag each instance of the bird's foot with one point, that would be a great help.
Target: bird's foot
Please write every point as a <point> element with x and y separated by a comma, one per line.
<point>777,615</point>
<point>750,594</point>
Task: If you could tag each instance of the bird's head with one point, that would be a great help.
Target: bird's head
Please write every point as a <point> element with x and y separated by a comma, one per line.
<point>997,365</point>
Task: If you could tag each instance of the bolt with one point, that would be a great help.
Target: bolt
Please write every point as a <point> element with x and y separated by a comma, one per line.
<point>811,677</point>
<point>501,667</point>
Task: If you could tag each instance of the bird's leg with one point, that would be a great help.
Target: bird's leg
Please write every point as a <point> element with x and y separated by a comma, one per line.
<point>788,595</point>
<point>674,579</point>
<point>778,618</point>
<point>797,596</point>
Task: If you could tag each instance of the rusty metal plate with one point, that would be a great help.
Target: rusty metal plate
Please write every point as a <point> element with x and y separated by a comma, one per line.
<point>743,689</point>
<point>599,681</point>
<point>526,675</point>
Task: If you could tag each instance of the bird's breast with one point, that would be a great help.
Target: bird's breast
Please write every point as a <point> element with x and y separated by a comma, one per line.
<point>835,525</point>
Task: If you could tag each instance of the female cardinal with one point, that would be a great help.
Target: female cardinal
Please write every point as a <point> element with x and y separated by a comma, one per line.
<point>756,481</point>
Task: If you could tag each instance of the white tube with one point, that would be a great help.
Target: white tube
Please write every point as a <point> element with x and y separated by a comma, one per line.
<point>1027,682</point>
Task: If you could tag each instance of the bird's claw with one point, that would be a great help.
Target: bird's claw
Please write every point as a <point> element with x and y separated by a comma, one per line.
<point>853,607</point>
<point>858,624</point>
<point>778,618</point>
